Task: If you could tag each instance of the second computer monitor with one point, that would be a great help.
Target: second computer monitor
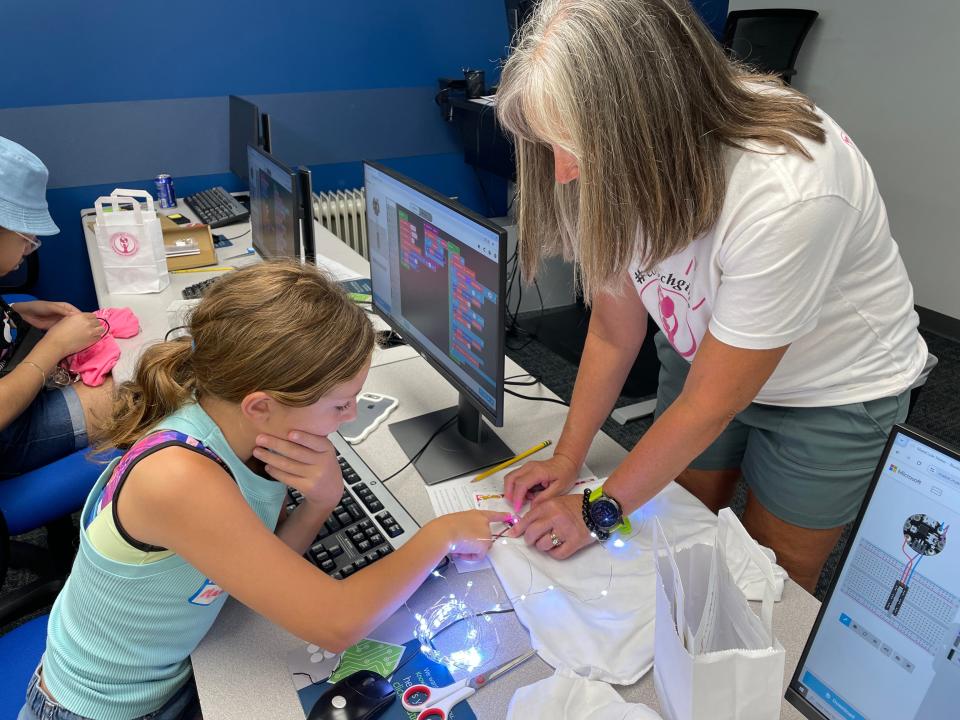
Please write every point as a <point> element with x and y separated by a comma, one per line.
<point>438,274</point>
<point>274,206</point>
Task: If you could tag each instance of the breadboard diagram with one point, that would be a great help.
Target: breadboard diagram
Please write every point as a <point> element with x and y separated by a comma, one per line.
<point>920,610</point>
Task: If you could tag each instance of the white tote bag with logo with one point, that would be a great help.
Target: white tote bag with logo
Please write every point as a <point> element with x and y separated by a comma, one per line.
<point>714,659</point>
<point>130,242</point>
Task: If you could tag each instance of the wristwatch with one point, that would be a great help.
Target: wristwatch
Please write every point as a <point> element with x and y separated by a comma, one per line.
<point>603,515</point>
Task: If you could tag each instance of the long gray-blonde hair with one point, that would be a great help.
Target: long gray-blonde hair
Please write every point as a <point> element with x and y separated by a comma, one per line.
<point>643,97</point>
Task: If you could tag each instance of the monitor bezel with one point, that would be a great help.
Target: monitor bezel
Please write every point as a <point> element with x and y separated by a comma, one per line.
<point>793,695</point>
<point>295,205</point>
<point>494,416</point>
<point>234,102</point>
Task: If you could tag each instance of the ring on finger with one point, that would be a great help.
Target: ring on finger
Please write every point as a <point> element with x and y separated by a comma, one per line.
<point>555,541</point>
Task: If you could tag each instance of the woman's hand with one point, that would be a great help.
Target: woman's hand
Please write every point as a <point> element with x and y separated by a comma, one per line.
<point>306,462</point>
<point>469,532</point>
<point>43,314</point>
<point>555,477</point>
<point>555,526</point>
<point>73,333</point>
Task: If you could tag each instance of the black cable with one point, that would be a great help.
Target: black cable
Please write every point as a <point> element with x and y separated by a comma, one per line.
<point>420,452</point>
<point>237,237</point>
<point>530,397</point>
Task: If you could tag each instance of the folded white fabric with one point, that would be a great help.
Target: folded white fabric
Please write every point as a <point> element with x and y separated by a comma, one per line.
<point>568,697</point>
<point>593,613</point>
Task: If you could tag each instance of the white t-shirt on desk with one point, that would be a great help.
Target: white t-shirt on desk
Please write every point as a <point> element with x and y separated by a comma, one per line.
<point>802,255</point>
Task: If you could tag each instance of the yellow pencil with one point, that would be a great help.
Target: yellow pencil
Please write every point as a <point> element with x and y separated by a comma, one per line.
<point>511,461</point>
<point>212,268</point>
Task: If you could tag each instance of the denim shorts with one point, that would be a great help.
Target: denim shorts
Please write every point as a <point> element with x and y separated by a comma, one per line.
<point>184,705</point>
<point>51,427</point>
<point>809,466</point>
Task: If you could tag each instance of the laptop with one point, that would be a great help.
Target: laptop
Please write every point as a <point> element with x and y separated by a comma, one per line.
<point>886,644</point>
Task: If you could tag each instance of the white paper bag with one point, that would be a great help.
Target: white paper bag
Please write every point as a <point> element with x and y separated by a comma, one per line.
<point>131,244</point>
<point>713,657</point>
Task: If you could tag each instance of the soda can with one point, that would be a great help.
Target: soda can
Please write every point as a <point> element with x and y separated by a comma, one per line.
<point>166,196</point>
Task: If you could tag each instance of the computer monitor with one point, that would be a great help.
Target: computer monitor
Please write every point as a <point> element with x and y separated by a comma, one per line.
<point>245,129</point>
<point>275,209</point>
<point>308,239</point>
<point>886,643</point>
<point>438,277</point>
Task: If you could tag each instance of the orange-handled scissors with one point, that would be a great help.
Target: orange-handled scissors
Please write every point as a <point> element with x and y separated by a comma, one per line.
<point>433,703</point>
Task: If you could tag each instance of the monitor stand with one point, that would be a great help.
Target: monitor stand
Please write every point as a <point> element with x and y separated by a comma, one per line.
<point>464,447</point>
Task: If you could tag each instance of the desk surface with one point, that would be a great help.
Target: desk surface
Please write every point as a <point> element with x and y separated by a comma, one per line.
<point>151,308</point>
<point>240,666</point>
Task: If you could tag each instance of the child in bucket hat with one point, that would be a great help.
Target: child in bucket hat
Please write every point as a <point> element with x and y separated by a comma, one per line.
<point>40,420</point>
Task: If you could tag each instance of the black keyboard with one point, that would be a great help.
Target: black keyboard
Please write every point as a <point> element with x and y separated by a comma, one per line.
<point>368,523</point>
<point>216,207</point>
<point>196,291</point>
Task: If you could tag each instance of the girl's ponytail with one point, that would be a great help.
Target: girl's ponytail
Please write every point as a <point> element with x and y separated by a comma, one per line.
<point>163,383</point>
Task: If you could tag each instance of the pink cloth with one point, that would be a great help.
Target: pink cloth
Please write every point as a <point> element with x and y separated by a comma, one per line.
<point>95,362</point>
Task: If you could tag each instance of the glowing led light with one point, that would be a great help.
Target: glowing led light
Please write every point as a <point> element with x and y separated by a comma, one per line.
<point>436,573</point>
<point>603,592</point>
<point>469,583</point>
<point>453,547</point>
<point>503,542</point>
<point>618,543</point>
<point>523,597</point>
<point>549,587</point>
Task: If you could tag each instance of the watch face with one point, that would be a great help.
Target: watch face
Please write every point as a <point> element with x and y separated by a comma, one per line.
<point>605,513</point>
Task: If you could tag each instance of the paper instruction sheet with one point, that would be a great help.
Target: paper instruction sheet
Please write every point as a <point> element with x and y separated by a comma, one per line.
<point>463,494</point>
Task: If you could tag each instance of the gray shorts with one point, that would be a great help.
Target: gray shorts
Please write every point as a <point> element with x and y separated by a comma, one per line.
<point>809,466</point>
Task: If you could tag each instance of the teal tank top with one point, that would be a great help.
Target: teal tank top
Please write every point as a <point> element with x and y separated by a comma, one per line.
<point>120,635</point>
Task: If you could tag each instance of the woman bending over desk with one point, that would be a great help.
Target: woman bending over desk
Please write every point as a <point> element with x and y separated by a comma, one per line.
<point>747,223</point>
<point>215,427</point>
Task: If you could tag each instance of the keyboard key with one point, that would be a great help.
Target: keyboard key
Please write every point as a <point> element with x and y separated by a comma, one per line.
<point>347,570</point>
<point>384,550</point>
<point>363,546</point>
<point>394,530</point>
<point>377,539</point>
<point>375,505</point>
<point>360,563</point>
<point>371,557</point>
<point>328,566</point>
<point>355,511</point>
<point>335,550</point>
<point>344,518</point>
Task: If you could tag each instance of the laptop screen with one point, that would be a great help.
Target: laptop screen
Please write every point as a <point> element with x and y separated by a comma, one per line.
<point>887,641</point>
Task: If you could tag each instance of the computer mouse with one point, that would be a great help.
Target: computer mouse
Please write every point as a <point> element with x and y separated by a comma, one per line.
<point>364,695</point>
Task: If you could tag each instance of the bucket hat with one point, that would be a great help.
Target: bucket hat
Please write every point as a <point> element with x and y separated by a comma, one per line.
<point>23,191</point>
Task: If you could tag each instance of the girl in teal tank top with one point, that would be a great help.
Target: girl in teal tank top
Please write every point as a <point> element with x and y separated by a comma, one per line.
<point>215,427</point>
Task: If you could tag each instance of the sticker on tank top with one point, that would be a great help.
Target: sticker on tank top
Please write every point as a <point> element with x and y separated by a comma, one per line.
<point>207,593</point>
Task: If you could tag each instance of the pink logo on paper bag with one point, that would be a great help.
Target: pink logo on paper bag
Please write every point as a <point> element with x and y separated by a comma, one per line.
<point>124,244</point>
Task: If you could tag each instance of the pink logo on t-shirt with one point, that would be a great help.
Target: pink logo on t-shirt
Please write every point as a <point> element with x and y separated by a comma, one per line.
<point>673,305</point>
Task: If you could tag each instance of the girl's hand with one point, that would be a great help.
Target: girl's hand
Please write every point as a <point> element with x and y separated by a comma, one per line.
<point>43,314</point>
<point>73,333</point>
<point>306,462</point>
<point>469,532</point>
<point>554,477</point>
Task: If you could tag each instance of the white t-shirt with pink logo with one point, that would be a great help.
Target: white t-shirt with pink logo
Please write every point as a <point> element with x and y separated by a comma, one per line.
<point>802,255</point>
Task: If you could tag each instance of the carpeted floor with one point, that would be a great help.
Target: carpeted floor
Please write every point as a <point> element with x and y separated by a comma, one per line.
<point>937,412</point>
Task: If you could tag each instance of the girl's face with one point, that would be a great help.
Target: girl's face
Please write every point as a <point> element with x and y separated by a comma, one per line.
<point>565,166</point>
<point>327,414</point>
<point>13,248</point>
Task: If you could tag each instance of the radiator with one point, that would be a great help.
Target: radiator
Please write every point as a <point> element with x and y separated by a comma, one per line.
<point>344,213</point>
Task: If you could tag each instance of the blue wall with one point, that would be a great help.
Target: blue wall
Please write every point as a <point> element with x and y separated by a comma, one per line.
<point>110,95</point>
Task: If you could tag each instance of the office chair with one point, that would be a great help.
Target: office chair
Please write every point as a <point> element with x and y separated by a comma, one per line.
<point>768,40</point>
<point>20,651</point>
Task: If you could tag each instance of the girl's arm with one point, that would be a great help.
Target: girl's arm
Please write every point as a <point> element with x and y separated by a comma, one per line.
<point>177,499</point>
